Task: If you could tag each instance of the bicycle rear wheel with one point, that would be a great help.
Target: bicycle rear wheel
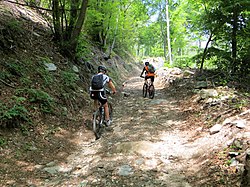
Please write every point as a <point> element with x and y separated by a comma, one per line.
<point>151,91</point>
<point>97,120</point>
<point>144,90</point>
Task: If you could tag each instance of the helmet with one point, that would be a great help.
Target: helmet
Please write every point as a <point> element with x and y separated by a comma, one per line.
<point>102,69</point>
<point>146,63</point>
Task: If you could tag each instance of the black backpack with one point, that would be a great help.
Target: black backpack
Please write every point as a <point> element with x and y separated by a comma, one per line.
<point>97,82</point>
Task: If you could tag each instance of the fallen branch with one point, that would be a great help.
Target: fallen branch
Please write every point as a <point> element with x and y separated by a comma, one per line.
<point>7,84</point>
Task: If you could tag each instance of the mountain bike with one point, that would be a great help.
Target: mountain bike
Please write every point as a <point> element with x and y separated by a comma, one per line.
<point>99,118</point>
<point>148,88</point>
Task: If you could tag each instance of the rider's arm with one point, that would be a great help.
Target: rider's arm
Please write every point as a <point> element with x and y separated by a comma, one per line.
<point>112,86</point>
<point>143,71</point>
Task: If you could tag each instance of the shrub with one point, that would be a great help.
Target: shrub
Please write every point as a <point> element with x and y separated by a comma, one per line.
<point>14,112</point>
<point>43,99</point>
<point>70,79</point>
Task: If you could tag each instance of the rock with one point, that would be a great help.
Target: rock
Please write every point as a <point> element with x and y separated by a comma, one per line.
<point>227,121</point>
<point>188,73</point>
<point>125,94</point>
<point>238,144</point>
<point>239,123</point>
<point>215,129</point>
<point>176,71</point>
<point>52,170</point>
<point>206,93</point>
<point>201,84</point>
<point>199,129</point>
<point>233,154</point>
<point>234,162</point>
<point>50,66</point>
<point>245,112</point>
<point>75,69</point>
<point>125,170</point>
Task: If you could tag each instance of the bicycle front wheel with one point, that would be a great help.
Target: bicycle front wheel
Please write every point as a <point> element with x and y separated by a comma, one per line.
<point>144,90</point>
<point>151,91</point>
<point>97,119</point>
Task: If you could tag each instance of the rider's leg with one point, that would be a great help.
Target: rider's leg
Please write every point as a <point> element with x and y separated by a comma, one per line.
<point>106,110</point>
<point>104,101</point>
<point>95,104</point>
<point>152,80</point>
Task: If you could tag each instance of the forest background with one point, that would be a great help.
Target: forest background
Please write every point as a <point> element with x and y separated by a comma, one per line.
<point>184,32</point>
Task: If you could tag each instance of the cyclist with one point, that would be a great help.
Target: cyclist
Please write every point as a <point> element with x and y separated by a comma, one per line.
<point>99,93</point>
<point>149,72</point>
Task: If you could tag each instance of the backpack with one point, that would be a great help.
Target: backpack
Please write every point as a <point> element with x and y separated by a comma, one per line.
<point>151,68</point>
<point>97,82</point>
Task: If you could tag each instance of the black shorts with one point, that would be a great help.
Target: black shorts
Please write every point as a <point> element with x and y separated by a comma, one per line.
<point>99,95</point>
<point>150,77</point>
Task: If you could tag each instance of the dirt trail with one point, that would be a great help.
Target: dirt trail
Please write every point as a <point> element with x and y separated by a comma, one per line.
<point>150,145</point>
<point>145,148</point>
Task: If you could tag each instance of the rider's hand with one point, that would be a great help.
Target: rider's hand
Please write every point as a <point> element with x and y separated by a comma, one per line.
<point>114,92</point>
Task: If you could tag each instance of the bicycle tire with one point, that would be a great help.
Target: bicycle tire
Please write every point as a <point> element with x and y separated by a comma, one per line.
<point>151,91</point>
<point>144,90</point>
<point>97,119</point>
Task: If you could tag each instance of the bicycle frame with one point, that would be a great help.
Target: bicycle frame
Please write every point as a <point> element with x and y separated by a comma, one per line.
<point>148,87</point>
<point>99,117</point>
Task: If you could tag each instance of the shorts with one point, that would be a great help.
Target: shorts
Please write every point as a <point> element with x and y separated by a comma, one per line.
<point>99,95</point>
<point>150,77</point>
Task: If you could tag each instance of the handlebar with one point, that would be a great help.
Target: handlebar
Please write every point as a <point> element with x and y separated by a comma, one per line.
<point>108,91</point>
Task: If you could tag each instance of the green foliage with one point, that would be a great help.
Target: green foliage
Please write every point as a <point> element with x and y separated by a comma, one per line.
<point>15,68</point>
<point>166,64</point>
<point>239,104</point>
<point>43,99</point>
<point>183,61</point>
<point>4,75</point>
<point>14,112</point>
<point>70,79</point>
<point>25,81</point>
<point>46,76</point>
<point>83,48</point>
<point>14,25</point>
<point>2,142</point>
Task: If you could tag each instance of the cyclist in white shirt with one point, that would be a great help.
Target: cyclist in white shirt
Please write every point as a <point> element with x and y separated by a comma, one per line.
<point>100,94</point>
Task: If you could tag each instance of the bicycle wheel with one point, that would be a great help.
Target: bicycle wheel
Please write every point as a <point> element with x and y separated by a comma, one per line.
<point>97,120</point>
<point>144,90</point>
<point>151,91</point>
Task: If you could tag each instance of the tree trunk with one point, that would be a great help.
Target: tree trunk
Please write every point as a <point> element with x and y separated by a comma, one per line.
<point>78,27</point>
<point>72,20</point>
<point>113,42</point>
<point>205,52</point>
<point>56,20</point>
<point>168,34</point>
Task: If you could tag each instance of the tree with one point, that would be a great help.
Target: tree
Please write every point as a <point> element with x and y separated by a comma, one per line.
<point>227,22</point>
<point>68,23</point>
